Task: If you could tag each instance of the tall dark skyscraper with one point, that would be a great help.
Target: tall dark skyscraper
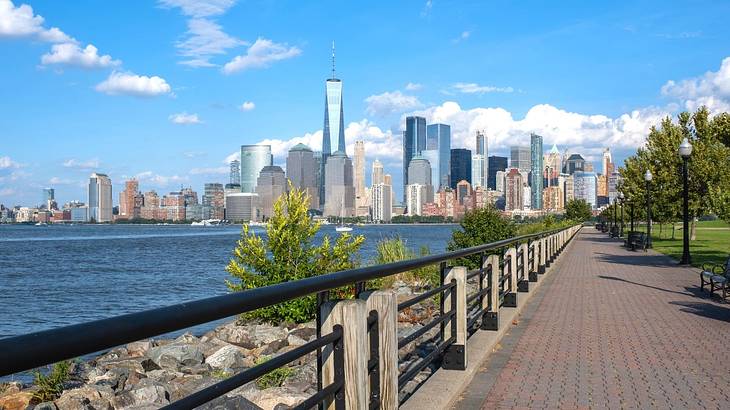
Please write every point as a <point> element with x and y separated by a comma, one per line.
<point>414,141</point>
<point>460,166</point>
<point>496,163</point>
<point>536,168</point>
<point>438,152</point>
<point>333,135</point>
<point>574,163</point>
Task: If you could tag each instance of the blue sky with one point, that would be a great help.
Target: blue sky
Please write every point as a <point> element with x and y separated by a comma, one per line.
<point>156,89</point>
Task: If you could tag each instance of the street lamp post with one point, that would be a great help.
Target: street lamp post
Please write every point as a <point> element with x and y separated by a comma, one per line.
<point>614,228</point>
<point>685,150</point>
<point>631,209</point>
<point>621,201</point>
<point>647,178</point>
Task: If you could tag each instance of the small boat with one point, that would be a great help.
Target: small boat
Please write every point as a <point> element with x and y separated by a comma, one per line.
<point>341,227</point>
<point>41,224</point>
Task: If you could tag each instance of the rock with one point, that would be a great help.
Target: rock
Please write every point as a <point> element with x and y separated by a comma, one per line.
<point>305,333</point>
<point>10,387</point>
<point>227,358</point>
<point>16,400</point>
<point>211,344</point>
<point>251,336</point>
<point>230,402</point>
<point>187,385</point>
<point>294,340</point>
<point>149,395</point>
<point>176,355</point>
<point>48,405</point>
<point>187,338</point>
<point>96,397</point>
<point>120,363</point>
<point>163,375</point>
<point>269,399</point>
<point>203,368</point>
<point>304,379</point>
<point>139,349</point>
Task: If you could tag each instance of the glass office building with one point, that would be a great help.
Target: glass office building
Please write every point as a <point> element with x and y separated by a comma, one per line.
<point>495,164</point>
<point>536,166</point>
<point>438,138</point>
<point>460,166</point>
<point>414,141</point>
<point>253,159</point>
<point>584,187</point>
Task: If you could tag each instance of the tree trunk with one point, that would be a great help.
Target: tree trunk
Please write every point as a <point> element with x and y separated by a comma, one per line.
<point>661,226</point>
<point>693,230</point>
<point>674,226</point>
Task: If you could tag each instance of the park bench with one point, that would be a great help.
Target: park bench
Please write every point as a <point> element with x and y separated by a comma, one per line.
<point>717,276</point>
<point>636,240</point>
<point>599,226</point>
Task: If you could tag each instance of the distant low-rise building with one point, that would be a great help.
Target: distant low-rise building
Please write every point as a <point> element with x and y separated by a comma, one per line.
<point>241,207</point>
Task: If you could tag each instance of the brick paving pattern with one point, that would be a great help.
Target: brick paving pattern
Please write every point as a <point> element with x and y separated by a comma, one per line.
<point>616,329</point>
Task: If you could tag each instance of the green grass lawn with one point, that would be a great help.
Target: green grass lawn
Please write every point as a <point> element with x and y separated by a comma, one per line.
<point>711,245</point>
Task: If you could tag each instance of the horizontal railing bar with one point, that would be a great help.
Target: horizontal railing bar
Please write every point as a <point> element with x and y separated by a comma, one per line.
<point>407,376</point>
<point>420,332</point>
<point>209,393</point>
<point>504,277</point>
<point>425,295</point>
<point>29,351</point>
<point>319,396</point>
<point>482,292</point>
<point>473,273</point>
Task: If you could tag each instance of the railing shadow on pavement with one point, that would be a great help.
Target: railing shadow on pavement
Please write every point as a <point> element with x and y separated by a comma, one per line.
<point>640,259</point>
<point>690,291</point>
<point>704,309</point>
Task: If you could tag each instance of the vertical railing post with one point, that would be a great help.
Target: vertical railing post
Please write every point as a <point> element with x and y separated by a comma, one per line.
<point>385,303</point>
<point>541,265</point>
<point>351,315</point>
<point>510,298</point>
<point>524,285</point>
<point>534,261</point>
<point>455,299</point>
<point>490,318</point>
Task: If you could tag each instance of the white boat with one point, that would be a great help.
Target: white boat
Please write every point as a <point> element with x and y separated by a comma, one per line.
<point>206,222</point>
<point>341,227</point>
<point>41,224</point>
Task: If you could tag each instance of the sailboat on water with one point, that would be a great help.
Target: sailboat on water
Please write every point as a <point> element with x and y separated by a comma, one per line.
<point>341,227</point>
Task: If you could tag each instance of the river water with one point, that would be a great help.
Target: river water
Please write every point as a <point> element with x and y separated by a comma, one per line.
<point>59,275</point>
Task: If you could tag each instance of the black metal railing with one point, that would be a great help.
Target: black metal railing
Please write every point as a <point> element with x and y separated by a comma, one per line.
<point>26,352</point>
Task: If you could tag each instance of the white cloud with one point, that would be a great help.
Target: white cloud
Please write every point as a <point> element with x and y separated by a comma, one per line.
<point>119,83</point>
<point>390,103</point>
<point>205,38</point>
<point>89,164</point>
<point>7,192</point>
<point>21,22</point>
<point>463,36</point>
<point>61,181</point>
<point>234,156</point>
<point>72,55</point>
<point>426,12</point>
<point>711,89</point>
<point>413,86</point>
<point>474,88</point>
<point>247,106</point>
<point>210,171</point>
<point>184,118</point>
<point>7,163</point>
<point>151,178</point>
<point>261,54</point>
<point>199,8</point>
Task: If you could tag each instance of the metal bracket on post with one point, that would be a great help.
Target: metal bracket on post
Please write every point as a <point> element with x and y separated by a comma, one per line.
<point>524,285</point>
<point>510,298</point>
<point>385,303</point>
<point>351,315</point>
<point>455,301</point>
<point>490,318</point>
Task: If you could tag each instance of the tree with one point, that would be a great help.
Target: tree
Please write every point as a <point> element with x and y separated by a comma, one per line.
<point>478,227</point>
<point>578,210</point>
<point>288,254</point>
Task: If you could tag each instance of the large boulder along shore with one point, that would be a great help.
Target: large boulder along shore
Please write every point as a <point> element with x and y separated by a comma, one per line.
<point>152,373</point>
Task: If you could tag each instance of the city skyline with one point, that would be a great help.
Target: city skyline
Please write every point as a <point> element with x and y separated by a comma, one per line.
<point>187,120</point>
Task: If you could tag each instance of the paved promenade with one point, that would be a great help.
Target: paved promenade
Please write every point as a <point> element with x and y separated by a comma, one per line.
<point>611,328</point>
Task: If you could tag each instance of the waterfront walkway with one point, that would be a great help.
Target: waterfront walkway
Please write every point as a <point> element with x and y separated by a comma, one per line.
<point>611,328</point>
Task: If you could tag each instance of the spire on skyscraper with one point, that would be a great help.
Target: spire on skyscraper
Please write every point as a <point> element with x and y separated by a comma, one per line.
<point>333,59</point>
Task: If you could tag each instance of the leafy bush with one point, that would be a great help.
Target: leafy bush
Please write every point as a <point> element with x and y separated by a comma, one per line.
<point>394,250</point>
<point>478,227</point>
<point>578,210</point>
<point>274,378</point>
<point>50,386</point>
<point>288,254</point>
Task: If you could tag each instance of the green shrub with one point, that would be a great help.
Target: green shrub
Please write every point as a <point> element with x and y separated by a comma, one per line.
<point>274,378</point>
<point>50,386</point>
<point>395,249</point>
<point>288,254</point>
<point>478,227</point>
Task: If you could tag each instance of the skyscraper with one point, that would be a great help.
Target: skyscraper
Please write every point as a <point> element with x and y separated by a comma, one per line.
<point>302,169</point>
<point>270,185</point>
<point>382,202</point>
<point>339,189</point>
<point>495,164</point>
<point>377,176</point>
<point>520,157</point>
<point>479,162</point>
<point>241,207</point>
<point>584,187</point>
<point>214,201</point>
<point>414,141</point>
<point>235,176</point>
<point>127,207</point>
<point>575,162</point>
<point>333,137</point>
<point>100,198</point>
<point>460,166</point>
<point>358,165</point>
<point>536,182</point>
<point>253,159</point>
<point>49,198</point>
<point>438,139</point>
<point>513,192</point>
<point>415,198</point>
<point>607,162</point>
<point>419,172</point>
<point>552,166</point>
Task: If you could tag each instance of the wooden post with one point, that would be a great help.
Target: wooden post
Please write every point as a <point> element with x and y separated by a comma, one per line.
<point>385,303</point>
<point>534,267</point>
<point>490,319</point>
<point>510,298</point>
<point>523,285</point>
<point>543,255</point>
<point>351,315</point>
<point>455,355</point>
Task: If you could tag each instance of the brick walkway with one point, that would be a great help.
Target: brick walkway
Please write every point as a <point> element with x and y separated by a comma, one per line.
<point>611,328</point>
